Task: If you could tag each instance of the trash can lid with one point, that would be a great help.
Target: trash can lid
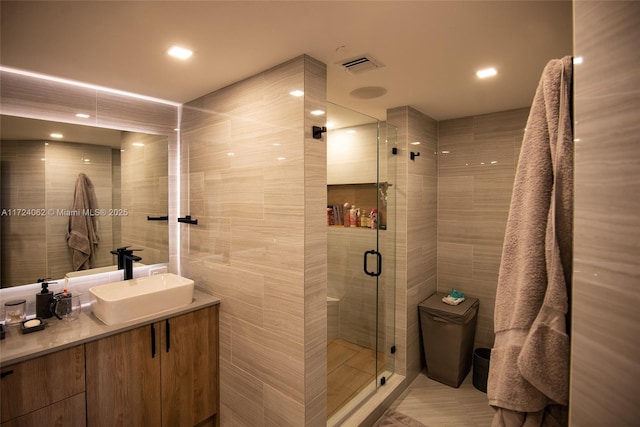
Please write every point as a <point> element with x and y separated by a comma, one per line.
<point>434,305</point>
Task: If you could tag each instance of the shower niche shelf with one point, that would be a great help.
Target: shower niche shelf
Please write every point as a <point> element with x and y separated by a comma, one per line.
<point>366,196</point>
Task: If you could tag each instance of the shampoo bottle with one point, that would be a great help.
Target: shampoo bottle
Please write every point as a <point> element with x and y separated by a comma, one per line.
<point>353,216</point>
<point>43,300</point>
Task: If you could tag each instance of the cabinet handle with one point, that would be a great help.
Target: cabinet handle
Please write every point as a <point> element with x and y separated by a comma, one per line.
<point>6,373</point>
<point>153,341</point>
<point>168,329</point>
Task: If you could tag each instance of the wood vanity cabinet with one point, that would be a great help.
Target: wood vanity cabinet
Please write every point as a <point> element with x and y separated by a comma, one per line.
<point>45,391</point>
<point>163,374</point>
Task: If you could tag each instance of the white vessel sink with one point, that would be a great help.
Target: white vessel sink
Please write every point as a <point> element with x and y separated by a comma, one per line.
<point>121,302</point>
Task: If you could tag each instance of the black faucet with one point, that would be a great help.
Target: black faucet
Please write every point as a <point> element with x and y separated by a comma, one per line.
<point>129,259</point>
<point>126,258</point>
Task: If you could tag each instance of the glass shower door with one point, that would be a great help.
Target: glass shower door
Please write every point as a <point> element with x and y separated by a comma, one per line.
<point>359,215</point>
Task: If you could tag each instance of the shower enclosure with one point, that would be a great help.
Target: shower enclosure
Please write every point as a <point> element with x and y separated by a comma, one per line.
<point>361,172</point>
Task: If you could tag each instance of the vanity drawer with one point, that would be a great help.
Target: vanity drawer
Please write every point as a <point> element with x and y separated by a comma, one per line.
<point>68,413</point>
<point>39,382</point>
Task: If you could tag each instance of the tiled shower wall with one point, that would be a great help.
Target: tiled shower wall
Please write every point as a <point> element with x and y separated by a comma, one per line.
<point>255,180</point>
<point>477,162</point>
<point>416,235</point>
<point>605,376</point>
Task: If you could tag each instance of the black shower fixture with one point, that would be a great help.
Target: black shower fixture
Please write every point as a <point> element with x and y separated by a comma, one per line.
<point>414,154</point>
<point>318,131</point>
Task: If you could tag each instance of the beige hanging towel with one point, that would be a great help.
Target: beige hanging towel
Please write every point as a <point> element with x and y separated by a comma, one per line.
<point>529,372</point>
<point>82,235</point>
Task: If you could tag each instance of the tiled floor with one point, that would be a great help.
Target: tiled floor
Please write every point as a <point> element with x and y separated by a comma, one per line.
<point>438,405</point>
<point>350,368</point>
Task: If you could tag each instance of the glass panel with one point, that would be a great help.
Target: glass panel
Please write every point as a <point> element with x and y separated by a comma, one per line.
<point>357,213</point>
<point>387,167</point>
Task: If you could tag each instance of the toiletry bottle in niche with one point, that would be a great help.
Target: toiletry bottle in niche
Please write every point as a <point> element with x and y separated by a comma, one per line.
<point>353,217</point>
<point>346,213</point>
<point>44,299</point>
<point>373,217</point>
<point>364,220</point>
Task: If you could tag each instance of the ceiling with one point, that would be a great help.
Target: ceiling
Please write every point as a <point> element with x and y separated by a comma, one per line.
<point>429,50</point>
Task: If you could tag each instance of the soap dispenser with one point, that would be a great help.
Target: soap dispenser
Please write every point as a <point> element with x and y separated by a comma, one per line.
<point>44,299</point>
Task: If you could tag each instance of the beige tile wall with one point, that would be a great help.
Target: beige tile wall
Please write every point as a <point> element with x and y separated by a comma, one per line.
<point>364,304</point>
<point>23,243</point>
<point>605,377</point>
<point>145,192</point>
<point>477,162</point>
<point>350,156</point>
<point>416,230</point>
<point>116,195</point>
<point>356,291</point>
<point>256,181</point>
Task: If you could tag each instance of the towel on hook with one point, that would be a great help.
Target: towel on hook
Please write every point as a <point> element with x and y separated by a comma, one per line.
<point>528,381</point>
<point>82,233</point>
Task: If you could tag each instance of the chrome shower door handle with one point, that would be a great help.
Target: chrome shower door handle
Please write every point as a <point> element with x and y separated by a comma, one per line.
<point>366,269</point>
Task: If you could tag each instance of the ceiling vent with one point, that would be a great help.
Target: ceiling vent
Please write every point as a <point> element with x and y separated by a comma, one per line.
<point>360,64</point>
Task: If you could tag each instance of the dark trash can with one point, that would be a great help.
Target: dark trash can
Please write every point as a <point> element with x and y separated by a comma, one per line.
<point>448,332</point>
<point>481,358</point>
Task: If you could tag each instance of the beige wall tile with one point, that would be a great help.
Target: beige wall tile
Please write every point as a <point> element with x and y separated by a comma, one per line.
<point>256,182</point>
<point>606,275</point>
<point>23,244</point>
<point>416,230</point>
<point>478,159</point>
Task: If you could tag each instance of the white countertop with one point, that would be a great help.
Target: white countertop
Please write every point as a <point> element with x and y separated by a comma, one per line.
<point>59,334</point>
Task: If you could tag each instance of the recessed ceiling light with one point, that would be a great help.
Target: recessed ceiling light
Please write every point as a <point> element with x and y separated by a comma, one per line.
<point>415,143</point>
<point>180,52</point>
<point>317,112</point>
<point>56,135</point>
<point>82,116</point>
<point>296,92</point>
<point>487,72</point>
<point>138,144</point>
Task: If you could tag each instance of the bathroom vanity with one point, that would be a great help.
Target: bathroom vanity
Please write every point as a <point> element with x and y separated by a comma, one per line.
<point>161,370</point>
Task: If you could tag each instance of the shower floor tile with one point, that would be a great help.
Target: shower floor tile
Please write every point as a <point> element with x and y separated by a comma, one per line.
<point>350,368</point>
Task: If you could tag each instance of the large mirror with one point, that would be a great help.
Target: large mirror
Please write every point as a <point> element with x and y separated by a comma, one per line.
<point>51,165</point>
<point>39,174</point>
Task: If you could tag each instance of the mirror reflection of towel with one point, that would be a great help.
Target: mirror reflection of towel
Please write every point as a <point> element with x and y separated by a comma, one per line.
<point>82,235</point>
